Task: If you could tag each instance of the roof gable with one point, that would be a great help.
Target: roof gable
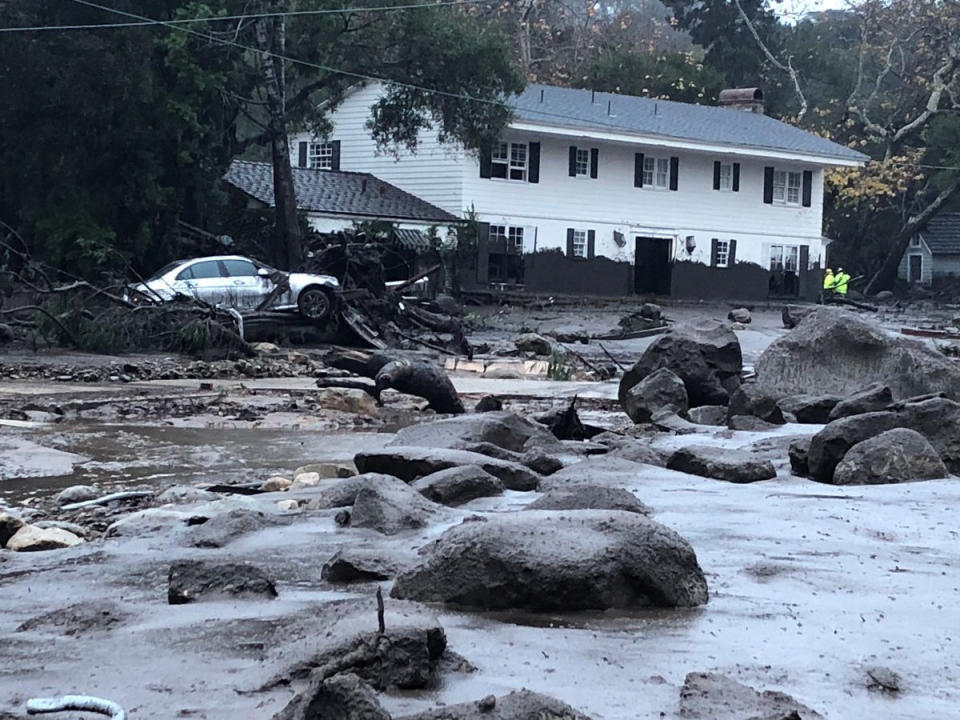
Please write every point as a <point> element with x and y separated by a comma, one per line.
<point>942,234</point>
<point>336,192</point>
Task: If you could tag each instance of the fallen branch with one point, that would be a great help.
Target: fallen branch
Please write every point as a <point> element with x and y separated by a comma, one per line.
<point>44,311</point>
<point>85,703</point>
<point>107,499</point>
<point>607,353</point>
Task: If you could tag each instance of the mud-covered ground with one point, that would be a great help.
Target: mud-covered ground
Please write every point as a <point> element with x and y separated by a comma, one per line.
<point>810,584</point>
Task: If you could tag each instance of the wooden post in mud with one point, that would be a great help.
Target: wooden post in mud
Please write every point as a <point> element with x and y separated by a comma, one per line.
<point>382,628</point>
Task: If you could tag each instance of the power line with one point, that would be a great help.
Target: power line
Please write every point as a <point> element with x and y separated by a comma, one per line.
<point>248,16</point>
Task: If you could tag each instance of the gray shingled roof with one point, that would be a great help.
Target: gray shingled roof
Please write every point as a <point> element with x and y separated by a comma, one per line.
<point>335,192</point>
<point>664,118</point>
<point>942,234</point>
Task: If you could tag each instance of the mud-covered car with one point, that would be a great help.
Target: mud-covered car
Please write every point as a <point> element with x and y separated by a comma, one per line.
<point>238,282</point>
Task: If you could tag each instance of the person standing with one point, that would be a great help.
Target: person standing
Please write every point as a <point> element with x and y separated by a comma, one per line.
<point>829,280</point>
<point>841,281</point>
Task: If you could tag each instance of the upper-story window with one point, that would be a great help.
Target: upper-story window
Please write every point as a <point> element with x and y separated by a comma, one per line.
<point>656,172</point>
<point>726,176</point>
<point>515,238</point>
<point>786,187</point>
<point>583,161</point>
<point>320,155</point>
<point>509,161</point>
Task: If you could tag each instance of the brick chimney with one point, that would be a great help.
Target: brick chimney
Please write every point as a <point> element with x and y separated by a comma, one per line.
<point>748,99</point>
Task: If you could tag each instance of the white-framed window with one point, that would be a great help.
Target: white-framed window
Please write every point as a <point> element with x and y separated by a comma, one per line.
<point>515,238</point>
<point>786,187</point>
<point>915,241</point>
<point>320,155</point>
<point>583,161</point>
<point>726,176</point>
<point>656,172</point>
<point>723,253</point>
<point>497,232</point>
<point>579,243</point>
<point>784,257</point>
<point>509,161</point>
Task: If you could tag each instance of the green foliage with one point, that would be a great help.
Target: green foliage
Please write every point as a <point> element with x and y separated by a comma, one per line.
<point>559,366</point>
<point>668,76</point>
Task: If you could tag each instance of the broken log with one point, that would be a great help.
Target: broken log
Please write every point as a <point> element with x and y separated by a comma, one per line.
<point>423,380</point>
<point>419,276</point>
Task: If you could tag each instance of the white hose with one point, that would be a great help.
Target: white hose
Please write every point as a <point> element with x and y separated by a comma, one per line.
<point>86,703</point>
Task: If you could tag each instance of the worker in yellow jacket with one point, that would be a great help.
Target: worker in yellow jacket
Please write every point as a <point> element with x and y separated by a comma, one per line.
<point>841,280</point>
<point>829,280</point>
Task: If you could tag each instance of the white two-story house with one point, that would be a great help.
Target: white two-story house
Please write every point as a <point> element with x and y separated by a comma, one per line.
<point>614,195</point>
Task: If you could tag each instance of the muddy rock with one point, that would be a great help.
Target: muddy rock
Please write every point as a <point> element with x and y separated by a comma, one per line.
<point>325,470</point>
<point>518,705</point>
<point>390,509</point>
<point>749,423</point>
<point>873,398</point>
<point>343,493</point>
<point>533,343</point>
<point>9,525</point>
<point>550,561</point>
<point>812,409</point>
<point>799,449</point>
<point>604,470</point>
<point>194,581</point>
<point>828,446</point>
<point>540,462</point>
<point>185,495</point>
<point>78,619</point>
<point>344,697</point>
<point>836,352</point>
<point>882,679</point>
<point>423,379</point>
<point>488,403</point>
<point>31,538</point>
<point>589,497</point>
<point>749,399</point>
<point>792,315</point>
<point>707,358</point>
<point>456,486</point>
<point>736,466</point>
<point>504,429</point>
<point>630,448</point>
<point>410,463</point>
<point>348,400</point>
<point>740,315</point>
<point>222,529</point>
<point>277,483</point>
<point>351,564</point>
<point>711,696</point>
<point>565,424</point>
<point>714,415</point>
<point>660,390</point>
<point>77,493</point>
<point>898,455</point>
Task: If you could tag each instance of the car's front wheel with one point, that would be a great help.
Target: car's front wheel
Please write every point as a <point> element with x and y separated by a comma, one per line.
<point>315,303</point>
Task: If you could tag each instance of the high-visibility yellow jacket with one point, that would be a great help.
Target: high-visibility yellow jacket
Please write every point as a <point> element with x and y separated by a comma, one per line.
<point>840,282</point>
<point>829,280</point>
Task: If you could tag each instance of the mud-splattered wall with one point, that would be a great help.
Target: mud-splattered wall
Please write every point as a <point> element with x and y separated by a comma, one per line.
<point>742,281</point>
<point>555,272</point>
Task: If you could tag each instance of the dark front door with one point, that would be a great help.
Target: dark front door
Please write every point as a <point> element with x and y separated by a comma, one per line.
<point>652,266</point>
<point>916,268</point>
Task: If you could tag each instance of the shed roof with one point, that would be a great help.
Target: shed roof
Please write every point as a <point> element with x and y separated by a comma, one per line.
<point>334,192</point>
<point>942,234</point>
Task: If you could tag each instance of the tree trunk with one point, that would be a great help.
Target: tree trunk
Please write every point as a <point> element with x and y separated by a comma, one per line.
<point>287,251</point>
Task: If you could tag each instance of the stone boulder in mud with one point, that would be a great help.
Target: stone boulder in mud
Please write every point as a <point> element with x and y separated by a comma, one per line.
<point>518,705</point>
<point>9,525</point>
<point>352,564</point>
<point>503,428</point>
<point>31,538</point>
<point>662,390</point>
<point>550,561</point>
<point>589,497</point>
<point>707,358</point>
<point>711,696</point>
<point>456,486</point>
<point>751,400</point>
<point>410,463</point>
<point>873,398</point>
<point>344,697</point>
<point>195,580</point>
<point>898,455</point>
<point>736,466</point>
<point>533,343</point>
<point>343,492</point>
<point>812,409</point>
<point>226,527</point>
<point>390,509</point>
<point>837,352</point>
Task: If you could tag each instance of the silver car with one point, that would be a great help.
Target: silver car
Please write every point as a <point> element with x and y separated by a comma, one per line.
<point>238,282</point>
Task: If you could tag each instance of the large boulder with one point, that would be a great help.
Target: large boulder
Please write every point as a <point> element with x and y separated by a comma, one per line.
<point>533,343</point>
<point>518,705</point>
<point>576,560</point>
<point>873,398</point>
<point>835,351</point>
<point>812,409</point>
<point>792,315</point>
<point>390,509</point>
<point>458,485</point>
<point>410,463</point>
<point>589,497</point>
<point>343,492</point>
<point>224,528</point>
<point>707,358</point>
<point>423,379</point>
<point>353,564</point>
<point>77,493</point>
<point>193,580</point>
<point>31,538</point>
<point>344,697</point>
<point>9,525</point>
<point>740,315</point>
<point>715,415</point>
<point>898,455</point>
<point>711,696</point>
<point>660,390</point>
<point>736,466</point>
<point>749,399</point>
<point>798,452</point>
<point>503,428</point>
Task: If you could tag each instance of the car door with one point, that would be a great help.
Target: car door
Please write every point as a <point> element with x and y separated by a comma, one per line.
<point>245,289</point>
<point>203,280</point>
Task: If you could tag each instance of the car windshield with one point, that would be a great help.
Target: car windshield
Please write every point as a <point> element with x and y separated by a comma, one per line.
<point>165,269</point>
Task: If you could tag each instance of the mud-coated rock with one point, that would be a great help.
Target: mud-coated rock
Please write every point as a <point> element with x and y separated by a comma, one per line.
<point>603,470</point>
<point>196,580</point>
<point>533,343</point>
<point>837,352</point>
<point>9,524</point>
<point>343,492</point>
<point>740,315</point>
<point>518,705</point>
<point>711,696</point>
<point>589,497</point>
<point>660,390</point>
<point>390,509</point>
<point>799,449</point>
<point>505,429</point>
<point>277,483</point>
<point>707,358</point>
<point>410,463</point>
<point>792,315</point>
<point>736,466</point>
<point>344,697</point>
<point>637,451</point>
<point>575,560</point>
<point>224,528</point>
<point>458,485</point>
<point>749,399</point>
<point>873,398</point>
<point>812,409</point>
<point>423,379</point>
<point>715,415</point>
<point>31,538</point>
<point>488,403</point>
<point>77,493</point>
<point>351,564</point>
<point>749,423</point>
<point>186,494</point>
<point>828,446</point>
<point>898,455</point>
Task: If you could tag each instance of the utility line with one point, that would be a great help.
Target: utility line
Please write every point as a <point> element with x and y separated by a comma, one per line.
<point>248,16</point>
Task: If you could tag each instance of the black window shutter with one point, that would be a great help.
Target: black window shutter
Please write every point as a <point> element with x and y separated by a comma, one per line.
<point>485,162</point>
<point>591,243</point>
<point>594,161</point>
<point>534,173</point>
<point>335,160</point>
<point>713,252</point>
<point>732,253</point>
<point>638,169</point>
<point>483,252</point>
<point>569,242</point>
<point>716,174</point>
<point>768,185</point>
<point>804,259</point>
<point>303,155</point>
<point>736,177</point>
<point>807,187</point>
<point>674,172</point>
<point>573,161</point>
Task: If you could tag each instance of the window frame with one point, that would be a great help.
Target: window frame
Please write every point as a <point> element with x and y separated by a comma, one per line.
<point>723,251</point>
<point>786,183</point>
<point>582,234</point>
<point>655,168</point>
<point>726,175</point>
<point>582,162</point>
<point>515,238</point>
<point>320,155</point>
<point>505,166</point>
